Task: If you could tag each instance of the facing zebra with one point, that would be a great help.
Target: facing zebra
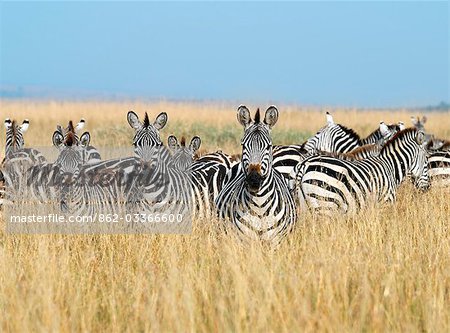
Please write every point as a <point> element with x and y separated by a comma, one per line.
<point>182,156</point>
<point>255,197</point>
<point>45,182</point>
<point>146,137</point>
<point>90,153</point>
<point>327,183</point>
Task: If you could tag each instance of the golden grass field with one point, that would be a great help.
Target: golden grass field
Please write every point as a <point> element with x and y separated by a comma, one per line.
<point>386,269</point>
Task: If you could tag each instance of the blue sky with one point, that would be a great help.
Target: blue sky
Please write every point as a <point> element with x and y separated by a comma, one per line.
<point>313,53</point>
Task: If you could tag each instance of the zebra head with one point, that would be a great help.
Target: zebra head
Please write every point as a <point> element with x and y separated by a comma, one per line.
<point>71,150</point>
<point>71,129</point>
<point>419,123</point>
<point>419,167</point>
<point>256,145</point>
<point>14,135</point>
<point>147,135</point>
<point>183,156</point>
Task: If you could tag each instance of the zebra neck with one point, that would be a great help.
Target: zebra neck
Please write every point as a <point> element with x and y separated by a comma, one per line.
<point>395,158</point>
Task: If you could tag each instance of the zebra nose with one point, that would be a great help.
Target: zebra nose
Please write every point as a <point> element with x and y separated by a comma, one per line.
<point>253,180</point>
<point>254,167</point>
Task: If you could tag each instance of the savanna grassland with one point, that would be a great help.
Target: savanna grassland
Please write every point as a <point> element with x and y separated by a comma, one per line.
<point>385,269</point>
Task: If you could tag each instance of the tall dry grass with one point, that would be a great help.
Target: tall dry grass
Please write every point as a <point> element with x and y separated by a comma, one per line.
<point>385,269</point>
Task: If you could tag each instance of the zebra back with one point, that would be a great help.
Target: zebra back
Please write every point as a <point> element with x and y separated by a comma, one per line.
<point>327,182</point>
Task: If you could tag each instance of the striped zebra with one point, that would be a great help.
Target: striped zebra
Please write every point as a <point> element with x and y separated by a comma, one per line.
<point>255,198</point>
<point>419,123</point>
<point>182,156</point>
<point>439,159</point>
<point>336,138</point>
<point>141,183</point>
<point>46,182</point>
<point>326,183</point>
<point>439,163</point>
<point>333,138</point>
<point>214,168</point>
<point>439,168</point>
<point>90,154</point>
<point>17,159</point>
<point>146,137</point>
<point>203,173</point>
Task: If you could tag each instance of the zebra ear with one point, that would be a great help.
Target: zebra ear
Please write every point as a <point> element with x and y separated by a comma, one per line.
<point>243,115</point>
<point>195,144</point>
<point>172,142</point>
<point>401,125</point>
<point>133,120</point>
<point>58,139</point>
<point>424,119</point>
<point>8,123</point>
<point>414,121</point>
<point>160,121</point>
<point>80,125</point>
<point>85,139</point>
<point>271,116</point>
<point>24,127</point>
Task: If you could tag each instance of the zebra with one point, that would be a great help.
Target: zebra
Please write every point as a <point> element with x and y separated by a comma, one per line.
<point>14,147</point>
<point>100,185</point>
<point>439,159</point>
<point>46,182</point>
<point>336,138</point>
<point>90,153</point>
<point>255,198</point>
<point>182,156</point>
<point>326,183</point>
<point>146,136</point>
<point>439,168</point>
<point>333,138</point>
<point>17,159</point>
<point>419,123</point>
<point>210,171</point>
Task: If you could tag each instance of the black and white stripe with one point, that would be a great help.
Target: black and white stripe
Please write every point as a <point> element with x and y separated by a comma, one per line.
<point>333,138</point>
<point>327,183</point>
<point>17,160</point>
<point>255,198</point>
<point>90,154</point>
<point>146,137</point>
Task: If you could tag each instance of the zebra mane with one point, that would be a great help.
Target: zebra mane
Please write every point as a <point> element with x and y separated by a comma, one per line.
<point>397,136</point>
<point>183,141</point>
<point>70,139</point>
<point>257,117</point>
<point>14,132</point>
<point>70,128</point>
<point>354,155</point>
<point>14,129</point>
<point>350,132</point>
<point>146,120</point>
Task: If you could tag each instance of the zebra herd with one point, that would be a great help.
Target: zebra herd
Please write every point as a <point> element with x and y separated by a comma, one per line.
<point>261,193</point>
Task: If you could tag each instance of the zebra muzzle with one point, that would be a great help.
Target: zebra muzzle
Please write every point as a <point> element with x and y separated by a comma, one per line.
<point>254,181</point>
